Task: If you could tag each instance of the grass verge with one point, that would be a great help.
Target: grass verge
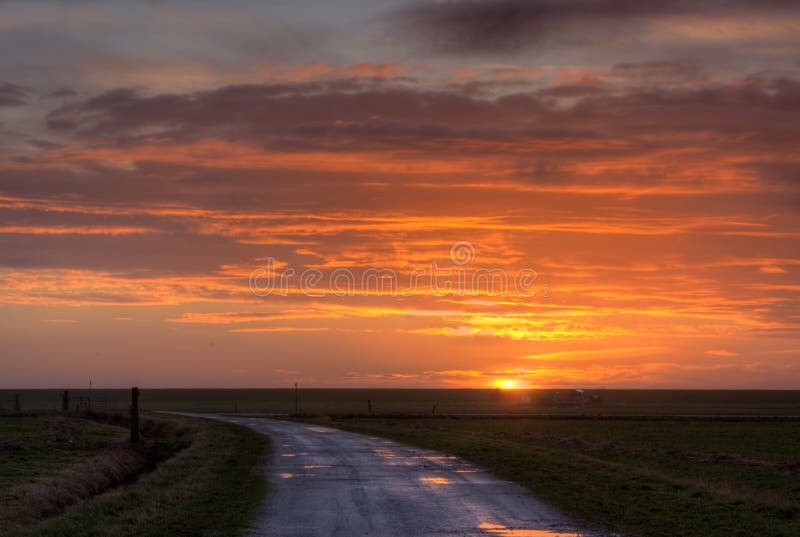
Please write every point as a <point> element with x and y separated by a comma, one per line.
<point>648,478</point>
<point>189,477</point>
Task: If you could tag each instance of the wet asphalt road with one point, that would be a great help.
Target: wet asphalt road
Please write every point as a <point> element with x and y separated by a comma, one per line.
<point>326,482</point>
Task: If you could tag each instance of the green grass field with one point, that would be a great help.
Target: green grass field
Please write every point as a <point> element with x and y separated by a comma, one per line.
<point>36,448</point>
<point>76,476</point>
<point>637,477</point>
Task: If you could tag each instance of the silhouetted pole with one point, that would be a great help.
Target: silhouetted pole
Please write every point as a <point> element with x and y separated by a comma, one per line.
<point>369,406</point>
<point>16,402</point>
<point>134,415</point>
<point>65,401</point>
<point>296,399</point>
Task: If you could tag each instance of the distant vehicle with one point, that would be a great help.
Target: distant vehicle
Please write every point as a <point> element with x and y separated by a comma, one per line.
<point>575,398</point>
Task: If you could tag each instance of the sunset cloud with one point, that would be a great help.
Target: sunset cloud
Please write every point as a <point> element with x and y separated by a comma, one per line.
<point>639,158</point>
<point>508,26</point>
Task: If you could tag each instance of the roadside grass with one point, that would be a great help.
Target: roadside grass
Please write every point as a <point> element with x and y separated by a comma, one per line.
<point>645,478</point>
<point>36,446</point>
<point>192,477</point>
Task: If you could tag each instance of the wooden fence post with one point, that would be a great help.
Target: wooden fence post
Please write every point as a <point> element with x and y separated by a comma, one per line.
<point>134,415</point>
<point>16,403</point>
<point>65,401</point>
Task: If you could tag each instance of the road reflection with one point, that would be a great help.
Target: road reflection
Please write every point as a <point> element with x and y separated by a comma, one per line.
<point>435,480</point>
<point>499,529</point>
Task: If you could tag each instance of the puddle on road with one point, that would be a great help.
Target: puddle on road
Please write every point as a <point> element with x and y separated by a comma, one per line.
<point>318,429</point>
<point>386,453</point>
<point>287,454</point>
<point>499,529</point>
<point>314,466</point>
<point>435,457</point>
<point>304,474</point>
<point>435,480</point>
<point>392,458</point>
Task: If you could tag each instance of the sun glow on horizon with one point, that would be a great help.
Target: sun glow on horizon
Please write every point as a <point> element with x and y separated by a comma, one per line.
<point>506,384</point>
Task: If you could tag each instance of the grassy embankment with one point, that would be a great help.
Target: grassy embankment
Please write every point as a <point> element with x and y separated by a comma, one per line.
<point>75,476</point>
<point>637,477</point>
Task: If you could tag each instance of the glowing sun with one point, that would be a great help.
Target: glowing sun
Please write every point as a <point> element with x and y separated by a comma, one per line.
<point>506,384</point>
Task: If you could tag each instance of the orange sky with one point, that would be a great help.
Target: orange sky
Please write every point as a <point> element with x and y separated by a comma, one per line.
<point>639,166</point>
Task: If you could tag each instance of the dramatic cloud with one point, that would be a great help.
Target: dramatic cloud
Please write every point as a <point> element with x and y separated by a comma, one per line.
<point>636,161</point>
<point>507,26</point>
<point>12,95</point>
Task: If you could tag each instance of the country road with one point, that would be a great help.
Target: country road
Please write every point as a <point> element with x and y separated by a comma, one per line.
<point>330,482</point>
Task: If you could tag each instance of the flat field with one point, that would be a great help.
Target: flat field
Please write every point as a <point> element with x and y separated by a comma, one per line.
<point>422,401</point>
